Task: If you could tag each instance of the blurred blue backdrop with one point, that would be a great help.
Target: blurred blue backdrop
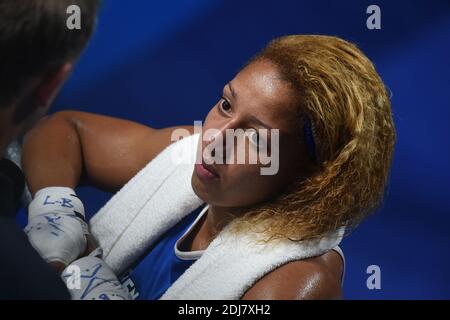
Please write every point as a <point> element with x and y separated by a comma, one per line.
<point>164,63</point>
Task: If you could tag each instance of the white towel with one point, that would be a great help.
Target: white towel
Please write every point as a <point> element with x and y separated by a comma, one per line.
<point>156,199</point>
<point>233,263</point>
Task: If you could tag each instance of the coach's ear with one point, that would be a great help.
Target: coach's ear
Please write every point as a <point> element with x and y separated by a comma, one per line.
<point>49,86</point>
<point>37,101</point>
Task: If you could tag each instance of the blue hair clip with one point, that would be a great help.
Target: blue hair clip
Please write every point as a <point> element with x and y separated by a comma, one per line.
<point>309,138</point>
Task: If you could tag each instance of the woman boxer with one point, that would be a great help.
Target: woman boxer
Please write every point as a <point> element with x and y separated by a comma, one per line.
<point>336,138</point>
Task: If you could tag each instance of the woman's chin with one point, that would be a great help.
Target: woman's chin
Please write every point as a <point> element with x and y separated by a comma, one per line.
<point>205,192</point>
<point>199,188</point>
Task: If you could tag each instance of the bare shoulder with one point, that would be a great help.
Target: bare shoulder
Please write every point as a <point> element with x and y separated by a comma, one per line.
<point>313,278</point>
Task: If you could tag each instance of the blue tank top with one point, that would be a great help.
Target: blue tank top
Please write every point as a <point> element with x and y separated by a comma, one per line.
<point>161,266</point>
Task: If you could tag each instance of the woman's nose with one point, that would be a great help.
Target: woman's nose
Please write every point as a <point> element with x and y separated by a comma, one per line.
<point>217,142</point>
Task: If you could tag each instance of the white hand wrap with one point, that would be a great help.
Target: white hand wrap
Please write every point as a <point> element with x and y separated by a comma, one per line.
<point>90,278</point>
<point>56,227</point>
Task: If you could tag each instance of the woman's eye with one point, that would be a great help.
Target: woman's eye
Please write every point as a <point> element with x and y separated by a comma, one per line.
<point>225,105</point>
<point>257,139</point>
<point>254,137</point>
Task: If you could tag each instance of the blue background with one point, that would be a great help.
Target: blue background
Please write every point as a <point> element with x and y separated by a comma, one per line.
<point>164,63</point>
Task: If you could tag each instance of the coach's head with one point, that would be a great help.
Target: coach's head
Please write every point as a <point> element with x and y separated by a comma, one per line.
<point>37,53</point>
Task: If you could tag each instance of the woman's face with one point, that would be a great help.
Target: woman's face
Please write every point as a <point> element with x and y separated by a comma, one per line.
<point>257,98</point>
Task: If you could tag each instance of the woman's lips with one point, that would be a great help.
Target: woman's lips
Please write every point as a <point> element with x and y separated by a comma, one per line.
<point>205,171</point>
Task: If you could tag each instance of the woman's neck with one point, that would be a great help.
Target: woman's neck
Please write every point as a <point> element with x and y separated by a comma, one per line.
<point>215,220</point>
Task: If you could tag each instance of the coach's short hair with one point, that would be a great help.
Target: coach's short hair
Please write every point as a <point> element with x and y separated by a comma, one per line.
<point>34,38</point>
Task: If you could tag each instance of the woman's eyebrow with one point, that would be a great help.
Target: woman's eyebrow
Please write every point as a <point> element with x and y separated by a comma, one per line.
<point>255,119</point>
<point>233,93</point>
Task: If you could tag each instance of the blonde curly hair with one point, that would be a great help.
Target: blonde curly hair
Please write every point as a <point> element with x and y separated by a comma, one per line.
<point>345,99</point>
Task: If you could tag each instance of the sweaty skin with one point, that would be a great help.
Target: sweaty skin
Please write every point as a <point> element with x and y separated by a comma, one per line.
<point>70,148</point>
